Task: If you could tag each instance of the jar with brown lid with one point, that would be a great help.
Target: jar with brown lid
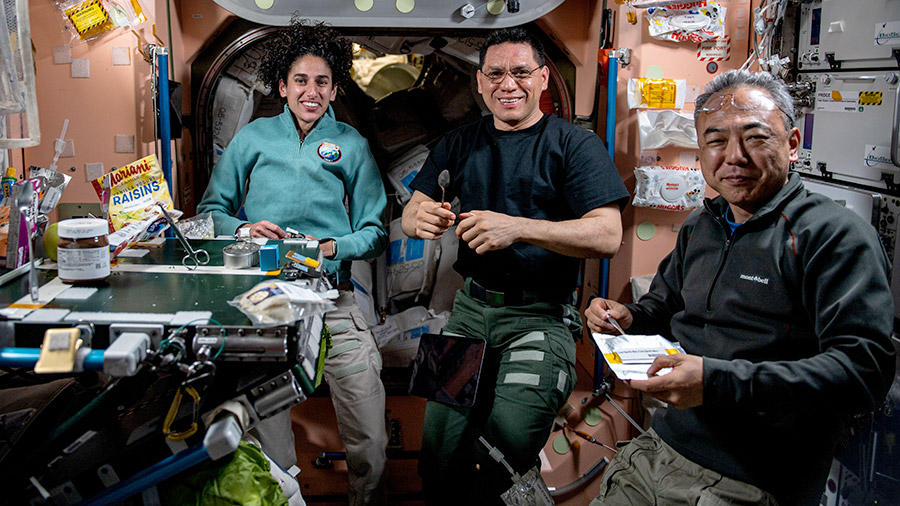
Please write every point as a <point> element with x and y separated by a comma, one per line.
<point>83,251</point>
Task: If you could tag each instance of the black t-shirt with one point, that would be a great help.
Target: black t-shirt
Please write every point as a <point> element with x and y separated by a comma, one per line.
<point>551,171</point>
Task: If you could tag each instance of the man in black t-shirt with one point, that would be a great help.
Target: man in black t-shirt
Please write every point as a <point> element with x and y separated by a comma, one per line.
<point>537,194</point>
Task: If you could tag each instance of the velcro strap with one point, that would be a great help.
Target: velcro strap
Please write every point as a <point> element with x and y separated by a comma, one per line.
<point>344,347</point>
<point>340,326</point>
<point>523,378</point>
<point>347,370</point>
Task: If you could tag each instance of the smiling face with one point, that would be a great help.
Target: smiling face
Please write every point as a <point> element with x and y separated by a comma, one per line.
<point>514,103</point>
<point>308,90</point>
<point>745,152</point>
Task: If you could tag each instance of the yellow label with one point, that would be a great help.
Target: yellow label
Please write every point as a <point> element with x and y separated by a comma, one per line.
<point>836,96</point>
<point>613,358</point>
<point>672,351</point>
<point>870,98</point>
<point>657,93</point>
<point>89,18</point>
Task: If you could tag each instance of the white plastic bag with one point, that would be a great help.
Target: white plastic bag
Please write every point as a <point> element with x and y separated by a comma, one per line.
<point>405,169</point>
<point>398,337</point>
<point>693,21</point>
<point>670,188</point>
<point>411,264</point>
<point>663,128</point>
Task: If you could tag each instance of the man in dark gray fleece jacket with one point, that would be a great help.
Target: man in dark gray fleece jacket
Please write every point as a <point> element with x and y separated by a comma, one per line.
<point>780,298</point>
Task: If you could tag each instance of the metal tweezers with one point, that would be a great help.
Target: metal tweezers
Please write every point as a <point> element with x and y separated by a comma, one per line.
<point>614,323</point>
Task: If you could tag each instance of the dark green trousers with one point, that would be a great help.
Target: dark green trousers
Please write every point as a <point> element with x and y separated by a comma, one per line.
<point>648,472</point>
<point>527,376</point>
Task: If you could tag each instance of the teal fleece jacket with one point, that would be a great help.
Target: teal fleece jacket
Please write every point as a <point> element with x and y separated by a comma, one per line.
<point>302,185</point>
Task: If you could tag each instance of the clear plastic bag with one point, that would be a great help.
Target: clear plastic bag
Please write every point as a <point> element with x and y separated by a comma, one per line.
<point>197,227</point>
<point>89,19</point>
<point>281,302</point>
<point>12,93</point>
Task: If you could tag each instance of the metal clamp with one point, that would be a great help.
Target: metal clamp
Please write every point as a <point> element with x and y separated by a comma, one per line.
<point>192,255</point>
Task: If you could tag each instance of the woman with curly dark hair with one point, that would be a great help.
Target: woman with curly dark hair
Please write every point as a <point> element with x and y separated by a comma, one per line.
<point>304,163</point>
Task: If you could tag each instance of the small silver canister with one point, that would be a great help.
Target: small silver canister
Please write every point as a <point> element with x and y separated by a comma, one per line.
<point>241,255</point>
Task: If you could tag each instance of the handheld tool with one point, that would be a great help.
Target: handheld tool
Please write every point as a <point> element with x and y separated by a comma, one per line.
<point>614,323</point>
<point>192,254</point>
<point>23,203</point>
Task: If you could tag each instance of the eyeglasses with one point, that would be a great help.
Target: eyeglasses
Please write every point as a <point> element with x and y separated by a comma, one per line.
<point>715,103</point>
<point>519,74</point>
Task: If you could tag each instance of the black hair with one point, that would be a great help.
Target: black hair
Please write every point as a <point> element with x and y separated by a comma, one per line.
<point>513,35</point>
<point>301,38</point>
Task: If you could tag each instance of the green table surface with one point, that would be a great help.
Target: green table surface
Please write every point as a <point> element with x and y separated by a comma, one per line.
<point>157,292</point>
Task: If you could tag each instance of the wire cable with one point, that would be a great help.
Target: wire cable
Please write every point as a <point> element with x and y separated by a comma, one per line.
<point>620,410</point>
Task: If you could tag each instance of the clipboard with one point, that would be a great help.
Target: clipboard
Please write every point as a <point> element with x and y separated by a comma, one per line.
<point>447,369</point>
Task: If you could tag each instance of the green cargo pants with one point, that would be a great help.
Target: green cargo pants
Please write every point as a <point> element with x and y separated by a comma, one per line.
<point>649,472</point>
<point>527,376</point>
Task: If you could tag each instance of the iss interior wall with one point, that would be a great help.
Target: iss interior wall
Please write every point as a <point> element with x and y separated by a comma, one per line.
<point>637,257</point>
<point>115,100</point>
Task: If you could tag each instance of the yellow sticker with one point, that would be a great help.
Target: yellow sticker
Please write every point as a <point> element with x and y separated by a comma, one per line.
<point>870,98</point>
<point>613,358</point>
<point>657,93</point>
<point>836,96</point>
<point>89,18</point>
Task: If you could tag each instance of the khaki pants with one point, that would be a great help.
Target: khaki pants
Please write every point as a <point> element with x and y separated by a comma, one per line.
<point>353,374</point>
<point>648,471</point>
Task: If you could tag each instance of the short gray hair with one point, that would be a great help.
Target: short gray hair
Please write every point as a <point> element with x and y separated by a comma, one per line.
<point>734,79</point>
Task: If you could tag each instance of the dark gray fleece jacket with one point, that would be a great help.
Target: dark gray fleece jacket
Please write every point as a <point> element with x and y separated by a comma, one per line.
<point>793,316</point>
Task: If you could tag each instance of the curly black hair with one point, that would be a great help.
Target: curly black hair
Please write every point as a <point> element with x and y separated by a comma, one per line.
<point>301,38</point>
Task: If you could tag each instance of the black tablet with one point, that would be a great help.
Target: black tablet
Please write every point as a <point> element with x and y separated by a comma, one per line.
<point>447,369</point>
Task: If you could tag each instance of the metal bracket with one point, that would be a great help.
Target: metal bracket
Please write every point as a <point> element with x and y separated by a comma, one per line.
<point>623,54</point>
<point>154,330</point>
<point>890,183</point>
<point>834,64</point>
<point>822,167</point>
<point>236,343</point>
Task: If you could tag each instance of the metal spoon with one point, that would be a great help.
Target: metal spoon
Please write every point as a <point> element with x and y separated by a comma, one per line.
<point>23,203</point>
<point>443,182</point>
